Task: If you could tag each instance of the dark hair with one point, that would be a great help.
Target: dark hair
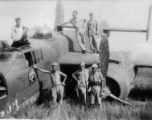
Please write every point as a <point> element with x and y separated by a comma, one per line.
<point>75,12</point>
<point>17,19</point>
<point>91,14</point>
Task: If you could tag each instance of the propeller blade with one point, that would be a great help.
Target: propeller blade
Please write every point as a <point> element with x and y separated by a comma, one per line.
<point>114,97</point>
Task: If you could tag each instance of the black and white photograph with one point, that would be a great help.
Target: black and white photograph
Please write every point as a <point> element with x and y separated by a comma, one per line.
<point>76,59</point>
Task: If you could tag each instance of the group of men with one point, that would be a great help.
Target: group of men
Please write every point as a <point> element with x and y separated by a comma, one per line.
<point>86,78</point>
<point>92,31</point>
<point>18,33</point>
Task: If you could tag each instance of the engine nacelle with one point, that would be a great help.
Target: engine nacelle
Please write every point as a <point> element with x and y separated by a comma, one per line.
<point>119,80</point>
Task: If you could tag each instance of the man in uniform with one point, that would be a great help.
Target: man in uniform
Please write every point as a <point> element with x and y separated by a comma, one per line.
<point>79,30</point>
<point>58,86</point>
<point>92,32</point>
<point>81,76</point>
<point>18,34</point>
<point>95,81</point>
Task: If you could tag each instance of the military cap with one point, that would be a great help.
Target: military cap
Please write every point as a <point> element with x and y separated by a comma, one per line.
<point>94,66</point>
<point>54,64</point>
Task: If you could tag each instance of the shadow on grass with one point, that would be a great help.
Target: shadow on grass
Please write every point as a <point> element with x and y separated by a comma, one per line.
<point>141,94</point>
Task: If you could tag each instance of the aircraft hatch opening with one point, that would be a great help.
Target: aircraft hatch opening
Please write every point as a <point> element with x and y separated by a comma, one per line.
<point>70,82</point>
<point>3,88</point>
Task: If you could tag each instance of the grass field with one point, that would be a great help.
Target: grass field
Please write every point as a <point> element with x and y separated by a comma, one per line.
<point>140,98</point>
<point>71,111</point>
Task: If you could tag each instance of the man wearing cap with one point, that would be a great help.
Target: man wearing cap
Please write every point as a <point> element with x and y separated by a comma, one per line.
<point>81,76</point>
<point>92,32</point>
<point>57,85</point>
<point>18,34</point>
<point>95,81</point>
<point>79,30</point>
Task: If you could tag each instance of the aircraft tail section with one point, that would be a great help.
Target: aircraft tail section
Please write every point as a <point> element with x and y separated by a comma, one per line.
<point>149,23</point>
<point>147,31</point>
<point>59,18</point>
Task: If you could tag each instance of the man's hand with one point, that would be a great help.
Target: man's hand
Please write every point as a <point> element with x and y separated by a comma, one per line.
<point>34,66</point>
<point>97,33</point>
<point>83,22</point>
<point>89,89</point>
<point>63,83</point>
<point>87,32</point>
<point>77,28</point>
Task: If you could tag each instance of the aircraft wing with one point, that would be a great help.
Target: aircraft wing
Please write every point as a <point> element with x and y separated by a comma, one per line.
<point>110,29</point>
<point>124,30</point>
<point>76,58</point>
<point>65,26</point>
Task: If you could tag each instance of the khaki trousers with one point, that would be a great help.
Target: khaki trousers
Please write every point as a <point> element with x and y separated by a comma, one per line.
<point>80,38</point>
<point>95,92</point>
<point>57,93</point>
<point>81,93</point>
<point>93,42</point>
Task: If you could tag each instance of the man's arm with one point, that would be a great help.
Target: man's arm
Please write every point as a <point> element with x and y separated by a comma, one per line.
<point>88,84</point>
<point>12,33</point>
<point>74,76</point>
<point>65,23</point>
<point>97,30</point>
<point>83,20</point>
<point>102,82</point>
<point>65,77</point>
<point>42,70</point>
<point>24,27</point>
<point>102,78</point>
<point>61,24</point>
<point>71,21</point>
<point>87,72</point>
<point>88,28</point>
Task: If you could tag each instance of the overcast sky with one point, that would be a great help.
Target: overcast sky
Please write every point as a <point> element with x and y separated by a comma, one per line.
<point>118,13</point>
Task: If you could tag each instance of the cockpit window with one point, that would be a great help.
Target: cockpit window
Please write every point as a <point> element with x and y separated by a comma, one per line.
<point>40,33</point>
<point>29,60</point>
<point>42,36</point>
<point>3,88</point>
<point>10,56</point>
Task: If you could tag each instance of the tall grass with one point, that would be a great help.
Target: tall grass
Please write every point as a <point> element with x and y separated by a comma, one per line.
<point>109,111</point>
<point>72,111</point>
